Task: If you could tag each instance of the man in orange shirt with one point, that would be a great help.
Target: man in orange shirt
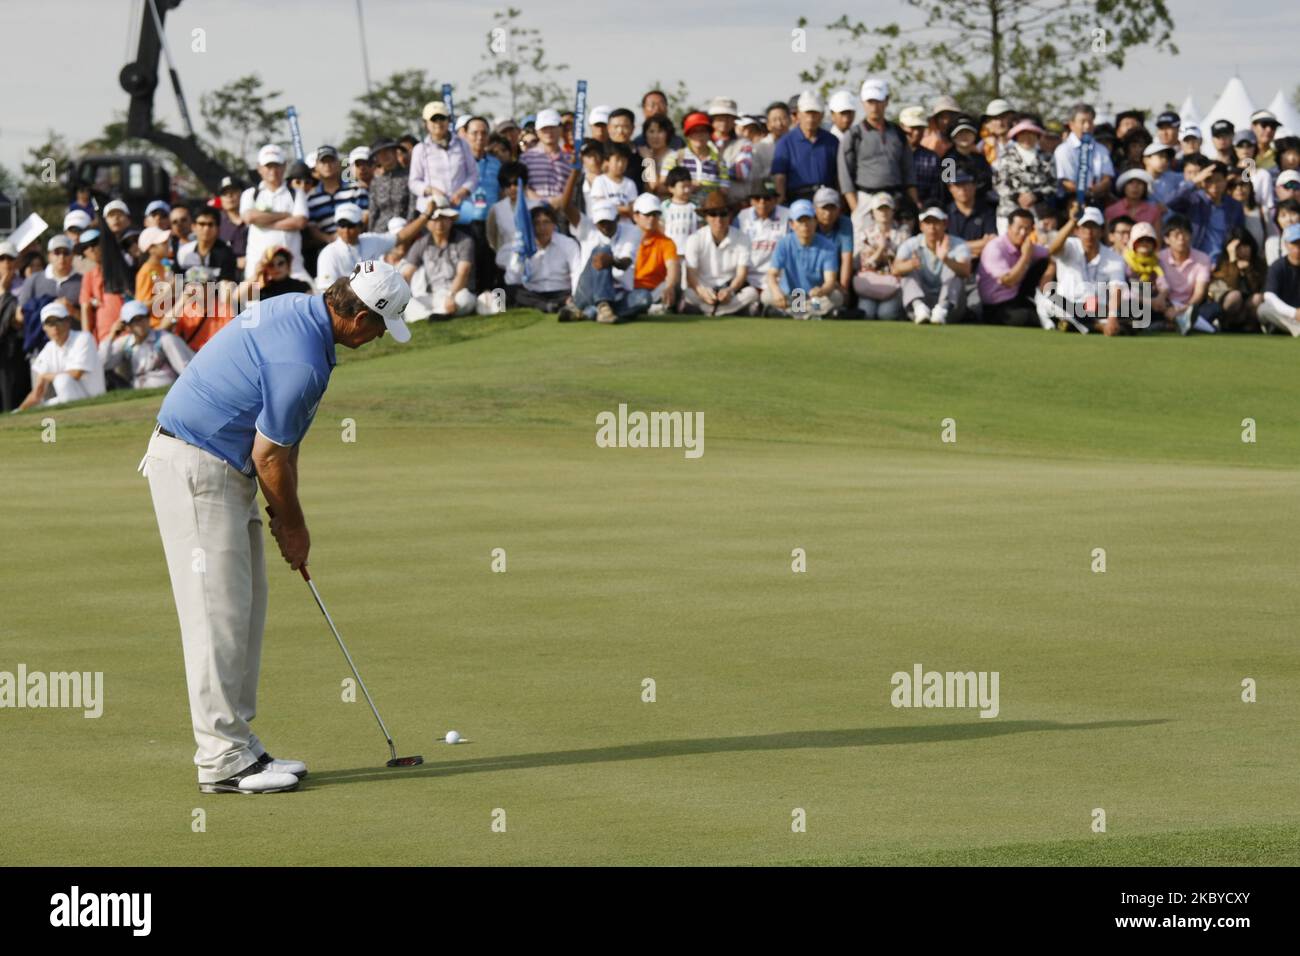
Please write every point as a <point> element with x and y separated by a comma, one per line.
<point>657,266</point>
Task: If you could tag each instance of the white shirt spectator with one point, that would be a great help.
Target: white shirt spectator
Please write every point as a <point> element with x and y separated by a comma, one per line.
<point>716,263</point>
<point>1066,160</point>
<point>763,235</point>
<point>554,268</point>
<point>77,354</point>
<point>501,229</point>
<point>338,259</point>
<point>680,223</point>
<point>156,362</point>
<point>624,244</point>
<point>622,193</point>
<point>284,200</point>
<point>1077,278</point>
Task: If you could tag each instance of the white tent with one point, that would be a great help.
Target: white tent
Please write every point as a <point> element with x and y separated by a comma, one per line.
<point>1286,114</point>
<point>1188,113</point>
<point>1234,104</point>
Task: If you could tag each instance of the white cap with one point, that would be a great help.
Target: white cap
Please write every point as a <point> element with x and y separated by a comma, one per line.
<point>598,115</point>
<point>77,219</point>
<point>1288,177</point>
<point>647,203</point>
<point>1093,215</point>
<point>116,205</point>
<point>933,212</point>
<point>842,101</point>
<point>348,212</point>
<point>998,107</point>
<point>382,287</point>
<point>810,102</point>
<point>362,153</point>
<point>60,241</point>
<point>744,121</point>
<point>271,153</point>
<point>442,207</point>
<point>133,310</point>
<point>462,121</point>
<point>54,310</point>
<point>1189,130</point>
<point>1154,148</point>
<point>875,89</point>
<point>547,118</point>
<point>1130,174</point>
<point>153,236</point>
<point>605,211</point>
<point>881,199</point>
<point>826,197</point>
<point>396,225</point>
<point>7,248</point>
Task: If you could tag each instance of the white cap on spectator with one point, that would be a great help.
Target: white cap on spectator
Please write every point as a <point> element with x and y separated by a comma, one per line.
<point>1154,148</point>
<point>1287,178</point>
<point>944,104</point>
<point>434,108</point>
<point>1093,215</point>
<point>382,287</point>
<point>77,219</point>
<point>604,211</point>
<point>647,203</point>
<point>600,115</point>
<point>63,242</point>
<point>348,212</point>
<point>271,153</point>
<point>998,107</point>
<point>361,153</point>
<point>912,116</point>
<point>744,121</point>
<point>875,89</point>
<point>826,197</point>
<point>462,121</point>
<point>133,310</point>
<point>1130,174</point>
<point>7,248</point>
<point>53,310</point>
<point>396,225</point>
<point>722,106</point>
<point>881,199</point>
<point>842,101</point>
<point>116,205</point>
<point>933,212</point>
<point>153,236</point>
<point>1188,131</point>
<point>810,102</point>
<point>1143,230</point>
<point>546,118</point>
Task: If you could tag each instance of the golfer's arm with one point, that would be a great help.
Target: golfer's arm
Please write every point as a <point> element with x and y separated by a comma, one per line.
<point>277,471</point>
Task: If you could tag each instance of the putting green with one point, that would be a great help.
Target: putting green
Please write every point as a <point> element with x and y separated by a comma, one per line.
<point>1119,691</point>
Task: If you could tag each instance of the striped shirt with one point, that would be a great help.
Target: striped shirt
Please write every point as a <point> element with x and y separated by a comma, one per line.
<point>547,173</point>
<point>321,204</point>
<point>708,172</point>
<point>680,223</point>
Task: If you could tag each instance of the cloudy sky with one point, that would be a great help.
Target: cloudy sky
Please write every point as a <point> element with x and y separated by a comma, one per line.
<point>65,76</point>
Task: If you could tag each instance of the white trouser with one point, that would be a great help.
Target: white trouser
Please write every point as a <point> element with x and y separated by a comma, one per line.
<point>67,389</point>
<point>426,301</point>
<point>212,537</point>
<point>739,302</point>
<point>1272,315</point>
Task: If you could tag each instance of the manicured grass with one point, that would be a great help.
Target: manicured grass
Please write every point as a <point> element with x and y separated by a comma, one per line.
<point>1118,691</point>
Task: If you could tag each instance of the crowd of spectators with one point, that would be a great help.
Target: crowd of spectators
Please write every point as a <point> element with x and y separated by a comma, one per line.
<point>806,209</point>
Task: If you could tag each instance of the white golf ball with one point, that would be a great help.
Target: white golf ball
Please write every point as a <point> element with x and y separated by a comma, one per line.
<point>453,737</point>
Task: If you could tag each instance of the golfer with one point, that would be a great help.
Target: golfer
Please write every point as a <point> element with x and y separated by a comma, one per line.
<point>234,419</point>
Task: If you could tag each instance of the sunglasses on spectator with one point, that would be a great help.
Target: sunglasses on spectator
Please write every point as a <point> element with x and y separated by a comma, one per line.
<point>60,252</point>
<point>711,213</point>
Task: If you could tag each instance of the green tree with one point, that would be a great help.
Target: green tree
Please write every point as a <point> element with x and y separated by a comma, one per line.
<point>517,75</point>
<point>393,107</point>
<point>240,117</point>
<point>1040,54</point>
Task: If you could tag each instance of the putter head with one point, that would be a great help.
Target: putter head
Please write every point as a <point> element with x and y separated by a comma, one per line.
<point>406,761</point>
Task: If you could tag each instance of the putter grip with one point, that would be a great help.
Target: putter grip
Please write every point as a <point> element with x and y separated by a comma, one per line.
<point>302,570</point>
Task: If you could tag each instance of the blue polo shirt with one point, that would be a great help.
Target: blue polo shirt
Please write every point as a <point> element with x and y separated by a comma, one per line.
<point>804,267</point>
<point>1210,223</point>
<point>264,372</point>
<point>806,163</point>
<point>479,203</point>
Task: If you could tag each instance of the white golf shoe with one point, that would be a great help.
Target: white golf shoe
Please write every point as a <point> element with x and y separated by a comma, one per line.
<point>920,312</point>
<point>295,767</point>
<point>253,779</point>
<point>940,314</point>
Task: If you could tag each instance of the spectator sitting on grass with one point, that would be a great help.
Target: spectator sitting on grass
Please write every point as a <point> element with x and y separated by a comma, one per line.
<point>1287,213</point>
<point>67,368</point>
<point>1237,283</point>
<point>1010,270</point>
<point>658,266</point>
<point>1281,305</point>
<point>546,280</point>
<point>802,276</point>
<point>835,226</point>
<point>717,264</point>
<point>878,238</point>
<point>1090,277</point>
<point>145,357</point>
<point>934,267</point>
<point>1186,278</point>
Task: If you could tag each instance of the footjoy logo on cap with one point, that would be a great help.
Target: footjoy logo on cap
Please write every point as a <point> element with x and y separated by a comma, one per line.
<point>381,304</point>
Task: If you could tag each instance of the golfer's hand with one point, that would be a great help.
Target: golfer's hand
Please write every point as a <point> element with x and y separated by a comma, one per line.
<point>706,295</point>
<point>294,543</point>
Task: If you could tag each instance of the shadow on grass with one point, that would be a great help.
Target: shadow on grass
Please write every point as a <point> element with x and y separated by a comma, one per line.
<point>654,749</point>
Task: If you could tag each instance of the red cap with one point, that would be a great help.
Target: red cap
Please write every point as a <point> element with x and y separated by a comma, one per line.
<point>696,120</point>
